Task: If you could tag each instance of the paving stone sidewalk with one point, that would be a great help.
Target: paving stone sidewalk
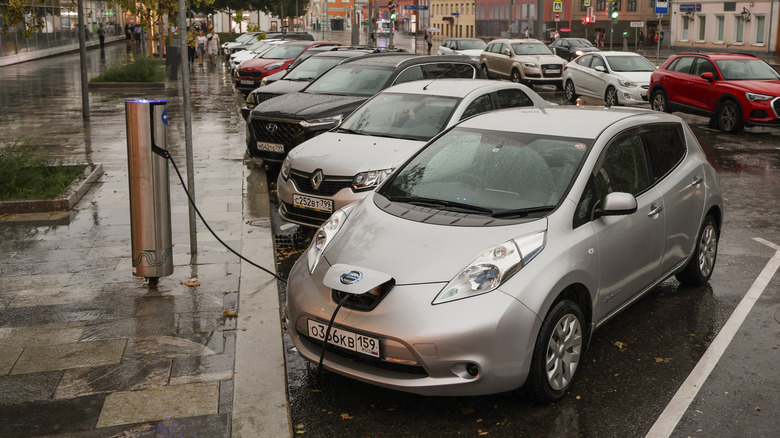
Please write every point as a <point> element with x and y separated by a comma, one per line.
<point>86,349</point>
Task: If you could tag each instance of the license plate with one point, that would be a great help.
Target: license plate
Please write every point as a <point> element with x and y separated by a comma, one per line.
<point>313,203</point>
<point>345,339</point>
<point>243,82</point>
<point>270,147</point>
<point>553,71</point>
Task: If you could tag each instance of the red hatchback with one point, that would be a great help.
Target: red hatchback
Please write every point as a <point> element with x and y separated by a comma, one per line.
<point>252,71</point>
<point>734,90</point>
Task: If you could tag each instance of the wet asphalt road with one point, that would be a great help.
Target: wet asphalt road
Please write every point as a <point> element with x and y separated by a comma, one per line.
<point>619,391</point>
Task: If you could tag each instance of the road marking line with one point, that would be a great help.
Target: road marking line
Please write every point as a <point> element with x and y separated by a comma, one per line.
<point>667,421</point>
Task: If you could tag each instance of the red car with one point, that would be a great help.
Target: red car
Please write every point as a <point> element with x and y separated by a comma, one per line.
<point>252,71</point>
<point>734,90</point>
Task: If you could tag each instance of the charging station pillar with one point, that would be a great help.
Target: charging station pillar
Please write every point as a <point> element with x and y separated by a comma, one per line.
<point>150,204</point>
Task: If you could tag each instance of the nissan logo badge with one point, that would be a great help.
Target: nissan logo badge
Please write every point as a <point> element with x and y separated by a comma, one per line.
<point>351,277</point>
<point>271,127</point>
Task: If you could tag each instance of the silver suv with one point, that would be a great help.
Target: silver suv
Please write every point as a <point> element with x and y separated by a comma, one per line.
<point>527,61</point>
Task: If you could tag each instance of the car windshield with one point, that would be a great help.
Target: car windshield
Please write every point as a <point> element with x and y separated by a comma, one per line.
<point>244,38</point>
<point>580,43</point>
<point>531,49</point>
<point>745,70</point>
<point>412,116</point>
<point>629,63</point>
<point>500,172</point>
<point>351,79</point>
<point>285,51</point>
<point>470,45</point>
<point>312,67</point>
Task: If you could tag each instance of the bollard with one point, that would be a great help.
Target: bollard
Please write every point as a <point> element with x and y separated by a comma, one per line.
<point>625,41</point>
<point>150,205</point>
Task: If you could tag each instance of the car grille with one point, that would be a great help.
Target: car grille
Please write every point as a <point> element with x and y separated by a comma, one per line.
<point>546,67</point>
<point>286,133</point>
<point>330,184</point>
<point>303,216</point>
<point>262,97</point>
<point>776,106</point>
<point>250,74</point>
<point>374,362</point>
<point>364,302</point>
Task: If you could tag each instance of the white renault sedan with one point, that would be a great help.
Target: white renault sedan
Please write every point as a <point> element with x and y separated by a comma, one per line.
<point>342,166</point>
<point>487,260</point>
<point>620,78</point>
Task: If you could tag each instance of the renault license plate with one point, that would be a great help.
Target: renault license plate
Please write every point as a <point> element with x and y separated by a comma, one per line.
<point>310,203</point>
<point>345,339</point>
<point>243,82</point>
<point>270,147</point>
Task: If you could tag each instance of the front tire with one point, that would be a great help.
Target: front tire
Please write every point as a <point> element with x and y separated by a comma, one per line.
<point>729,117</point>
<point>699,269</point>
<point>516,78</point>
<point>485,72</point>
<point>611,97</point>
<point>659,101</point>
<point>557,353</point>
<point>571,94</point>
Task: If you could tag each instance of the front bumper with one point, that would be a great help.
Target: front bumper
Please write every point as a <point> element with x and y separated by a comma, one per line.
<point>424,349</point>
<point>633,95</point>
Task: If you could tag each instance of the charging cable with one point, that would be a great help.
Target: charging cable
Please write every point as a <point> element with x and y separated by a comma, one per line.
<point>165,154</point>
<point>327,332</point>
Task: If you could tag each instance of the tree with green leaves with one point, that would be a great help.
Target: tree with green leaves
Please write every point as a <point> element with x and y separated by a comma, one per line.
<point>17,13</point>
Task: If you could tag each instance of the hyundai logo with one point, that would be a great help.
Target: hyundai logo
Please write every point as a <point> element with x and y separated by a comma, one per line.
<point>351,277</point>
<point>271,127</point>
<point>316,179</point>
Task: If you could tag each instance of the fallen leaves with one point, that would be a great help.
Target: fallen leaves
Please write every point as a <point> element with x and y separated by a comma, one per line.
<point>622,346</point>
<point>230,313</point>
<point>345,416</point>
<point>662,359</point>
<point>466,411</point>
<point>192,282</point>
<point>300,429</point>
<point>480,432</point>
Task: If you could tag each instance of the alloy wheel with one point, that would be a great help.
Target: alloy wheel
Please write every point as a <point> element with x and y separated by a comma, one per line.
<point>563,352</point>
<point>708,249</point>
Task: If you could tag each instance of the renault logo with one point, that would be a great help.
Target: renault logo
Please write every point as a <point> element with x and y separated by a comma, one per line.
<point>351,277</point>
<point>316,179</point>
<point>271,127</point>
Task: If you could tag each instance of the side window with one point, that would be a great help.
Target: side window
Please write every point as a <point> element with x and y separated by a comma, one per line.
<point>512,97</point>
<point>479,105</point>
<point>584,60</point>
<point>597,61</point>
<point>703,66</point>
<point>413,73</point>
<point>683,64</point>
<point>666,148</point>
<point>624,170</point>
<point>501,47</point>
<point>448,70</point>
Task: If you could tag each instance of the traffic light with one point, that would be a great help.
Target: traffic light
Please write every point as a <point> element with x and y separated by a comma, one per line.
<point>613,10</point>
<point>391,7</point>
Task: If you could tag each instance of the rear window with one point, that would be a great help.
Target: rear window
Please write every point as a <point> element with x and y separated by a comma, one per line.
<point>351,79</point>
<point>682,64</point>
<point>666,148</point>
<point>437,70</point>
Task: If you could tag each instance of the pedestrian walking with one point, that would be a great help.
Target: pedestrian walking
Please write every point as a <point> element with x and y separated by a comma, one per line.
<point>192,44</point>
<point>212,42</point>
<point>128,33</point>
<point>201,46</point>
<point>428,37</point>
<point>137,33</point>
<point>641,41</point>
<point>102,35</point>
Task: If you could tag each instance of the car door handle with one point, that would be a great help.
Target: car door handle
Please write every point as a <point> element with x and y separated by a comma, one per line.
<point>697,180</point>
<point>655,209</point>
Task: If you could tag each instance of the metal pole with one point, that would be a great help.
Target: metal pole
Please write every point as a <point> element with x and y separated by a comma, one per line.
<point>83,59</point>
<point>185,92</point>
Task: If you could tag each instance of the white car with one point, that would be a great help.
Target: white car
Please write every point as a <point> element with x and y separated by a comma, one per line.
<point>255,51</point>
<point>342,166</point>
<point>471,47</point>
<point>620,78</point>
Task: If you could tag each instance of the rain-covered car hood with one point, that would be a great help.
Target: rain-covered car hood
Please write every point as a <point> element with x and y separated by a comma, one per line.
<point>365,153</point>
<point>771,88</point>
<point>282,87</point>
<point>260,63</point>
<point>413,252</point>
<point>639,77</point>
<point>307,105</point>
<point>540,59</point>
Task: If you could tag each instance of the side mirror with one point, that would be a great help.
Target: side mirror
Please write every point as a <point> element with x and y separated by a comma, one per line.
<point>555,50</point>
<point>506,52</point>
<point>708,76</point>
<point>619,204</point>
<point>600,68</point>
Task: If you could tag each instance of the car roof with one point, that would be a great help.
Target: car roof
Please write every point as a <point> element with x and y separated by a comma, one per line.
<point>719,55</point>
<point>564,121</point>
<point>517,40</point>
<point>394,59</point>
<point>608,54</point>
<point>450,87</point>
<point>307,43</point>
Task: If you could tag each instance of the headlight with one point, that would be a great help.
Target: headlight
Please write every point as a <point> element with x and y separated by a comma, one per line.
<point>264,81</point>
<point>335,120</point>
<point>626,83</point>
<point>325,235</point>
<point>578,52</point>
<point>251,99</point>
<point>492,268</point>
<point>757,97</point>
<point>273,66</point>
<point>370,179</point>
<point>286,166</point>
<point>529,65</point>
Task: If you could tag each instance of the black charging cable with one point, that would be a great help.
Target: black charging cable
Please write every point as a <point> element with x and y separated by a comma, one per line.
<point>165,154</point>
<point>327,332</point>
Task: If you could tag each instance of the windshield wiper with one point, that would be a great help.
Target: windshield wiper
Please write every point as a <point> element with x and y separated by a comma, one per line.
<point>522,212</point>
<point>350,131</point>
<point>441,204</point>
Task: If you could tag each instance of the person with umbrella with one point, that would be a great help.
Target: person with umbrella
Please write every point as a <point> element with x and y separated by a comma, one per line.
<point>428,40</point>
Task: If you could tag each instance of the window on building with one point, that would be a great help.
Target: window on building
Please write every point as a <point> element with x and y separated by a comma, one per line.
<point>685,24</point>
<point>702,27</point>
<point>601,5</point>
<point>739,31</point>
<point>760,22</point>
<point>631,5</point>
<point>720,24</point>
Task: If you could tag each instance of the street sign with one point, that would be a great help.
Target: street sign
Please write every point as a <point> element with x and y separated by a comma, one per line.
<point>416,7</point>
<point>558,5</point>
<point>637,24</point>
<point>661,6</point>
<point>586,3</point>
<point>456,14</point>
<point>557,15</point>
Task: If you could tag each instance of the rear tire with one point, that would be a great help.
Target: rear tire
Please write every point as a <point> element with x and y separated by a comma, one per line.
<point>699,269</point>
<point>571,94</point>
<point>557,353</point>
<point>659,101</point>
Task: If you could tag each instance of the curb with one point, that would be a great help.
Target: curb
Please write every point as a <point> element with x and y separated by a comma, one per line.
<point>77,191</point>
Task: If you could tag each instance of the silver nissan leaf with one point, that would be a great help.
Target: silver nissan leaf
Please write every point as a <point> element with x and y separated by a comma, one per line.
<point>486,262</point>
